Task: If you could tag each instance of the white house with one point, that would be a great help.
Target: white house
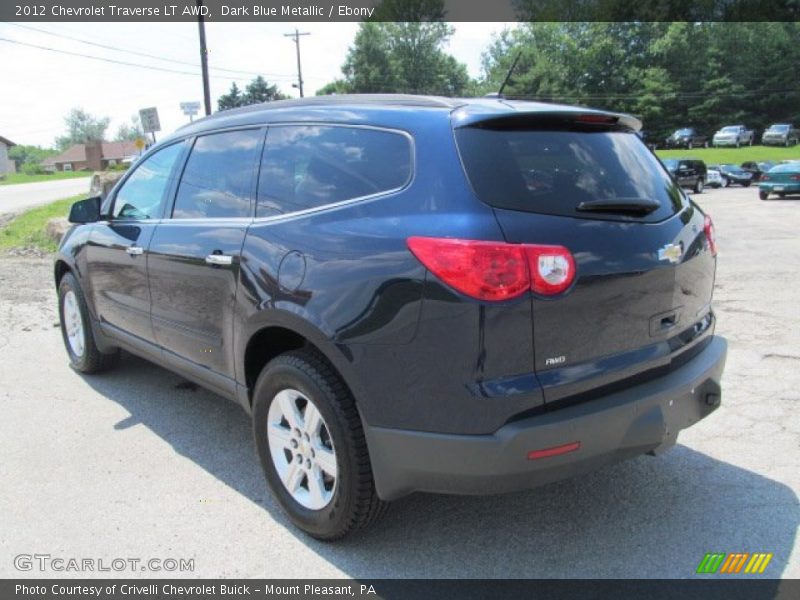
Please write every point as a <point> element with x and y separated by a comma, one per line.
<point>5,164</point>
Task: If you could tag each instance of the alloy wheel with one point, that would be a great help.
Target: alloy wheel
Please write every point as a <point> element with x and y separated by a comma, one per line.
<point>301,449</point>
<point>73,324</point>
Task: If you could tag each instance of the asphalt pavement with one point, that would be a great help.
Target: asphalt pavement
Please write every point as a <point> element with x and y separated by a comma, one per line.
<point>135,463</point>
<point>21,196</point>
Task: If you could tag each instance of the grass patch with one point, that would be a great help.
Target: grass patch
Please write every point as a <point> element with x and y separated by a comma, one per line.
<point>14,178</point>
<point>736,156</point>
<point>27,230</point>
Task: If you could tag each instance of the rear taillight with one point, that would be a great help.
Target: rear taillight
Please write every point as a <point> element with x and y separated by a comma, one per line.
<point>496,271</point>
<point>765,177</point>
<point>795,177</point>
<point>711,236</point>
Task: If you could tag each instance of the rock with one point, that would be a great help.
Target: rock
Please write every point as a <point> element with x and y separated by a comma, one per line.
<point>56,228</point>
<point>103,181</point>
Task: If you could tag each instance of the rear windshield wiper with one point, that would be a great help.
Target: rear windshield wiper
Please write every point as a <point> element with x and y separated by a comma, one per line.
<point>635,206</point>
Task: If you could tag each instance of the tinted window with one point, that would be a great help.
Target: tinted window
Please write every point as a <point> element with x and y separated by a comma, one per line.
<point>142,194</point>
<point>217,180</point>
<point>552,171</point>
<point>309,166</point>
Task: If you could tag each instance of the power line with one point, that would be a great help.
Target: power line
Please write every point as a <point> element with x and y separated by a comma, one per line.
<point>114,61</point>
<point>144,54</point>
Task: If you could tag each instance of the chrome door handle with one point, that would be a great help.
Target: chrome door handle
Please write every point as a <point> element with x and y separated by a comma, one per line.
<point>134,250</point>
<point>221,260</point>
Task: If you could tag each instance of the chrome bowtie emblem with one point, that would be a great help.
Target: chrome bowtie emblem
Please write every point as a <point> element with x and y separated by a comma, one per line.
<point>671,252</point>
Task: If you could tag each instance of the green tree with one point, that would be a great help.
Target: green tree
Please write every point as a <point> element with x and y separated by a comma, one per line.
<point>258,91</point>
<point>669,74</point>
<point>129,132</point>
<point>232,99</point>
<point>29,158</point>
<point>404,57</point>
<point>338,86</point>
<point>369,67</point>
<point>82,128</point>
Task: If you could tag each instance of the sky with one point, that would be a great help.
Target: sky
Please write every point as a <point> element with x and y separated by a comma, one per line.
<point>39,87</point>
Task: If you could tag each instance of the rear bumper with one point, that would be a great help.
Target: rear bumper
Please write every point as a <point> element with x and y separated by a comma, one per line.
<point>640,419</point>
<point>783,188</point>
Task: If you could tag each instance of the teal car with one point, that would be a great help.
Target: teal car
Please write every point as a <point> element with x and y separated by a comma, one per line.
<point>782,180</point>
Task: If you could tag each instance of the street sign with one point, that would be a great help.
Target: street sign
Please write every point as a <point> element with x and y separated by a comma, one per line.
<point>149,117</point>
<point>190,108</point>
<point>139,143</point>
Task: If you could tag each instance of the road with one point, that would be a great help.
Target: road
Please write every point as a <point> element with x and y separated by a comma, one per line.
<point>14,198</point>
<point>136,463</point>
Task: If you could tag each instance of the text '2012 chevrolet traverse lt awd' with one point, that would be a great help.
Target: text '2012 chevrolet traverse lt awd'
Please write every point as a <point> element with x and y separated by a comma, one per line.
<point>408,293</point>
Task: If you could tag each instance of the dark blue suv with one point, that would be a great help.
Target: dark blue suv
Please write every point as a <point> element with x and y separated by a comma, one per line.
<point>409,293</point>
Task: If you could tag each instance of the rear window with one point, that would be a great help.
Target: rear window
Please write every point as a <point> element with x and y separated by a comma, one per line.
<point>554,171</point>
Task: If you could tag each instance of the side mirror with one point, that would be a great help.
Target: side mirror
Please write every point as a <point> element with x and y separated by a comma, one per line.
<point>85,211</point>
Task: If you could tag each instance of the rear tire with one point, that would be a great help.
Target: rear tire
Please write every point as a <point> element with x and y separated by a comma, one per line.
<point>340,471</point>
<point>781,195</point>
<point>763,195</point>
<point>746,184</point>
<point>725,182</point>
<point>76,330</point>
<point>698,186</point>
<point>705,144</point>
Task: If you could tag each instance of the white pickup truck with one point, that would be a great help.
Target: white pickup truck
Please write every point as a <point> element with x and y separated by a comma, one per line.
<point>733,135</point>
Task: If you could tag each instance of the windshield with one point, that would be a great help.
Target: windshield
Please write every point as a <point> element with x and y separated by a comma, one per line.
<point>551,171</point>
<point>780,128</point>
<point>683,132</point>
<point>729,129</point>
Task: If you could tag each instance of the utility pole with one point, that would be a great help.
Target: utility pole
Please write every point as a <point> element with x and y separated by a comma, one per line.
<point>204,58</point>
<point>296,35</point>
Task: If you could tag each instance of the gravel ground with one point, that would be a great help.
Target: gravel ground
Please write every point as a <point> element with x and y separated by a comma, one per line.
<point>135,463</point>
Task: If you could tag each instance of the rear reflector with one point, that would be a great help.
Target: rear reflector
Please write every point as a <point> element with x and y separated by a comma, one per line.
<point>555,451</point>
<point>496,271</point>
<point>711,235</point>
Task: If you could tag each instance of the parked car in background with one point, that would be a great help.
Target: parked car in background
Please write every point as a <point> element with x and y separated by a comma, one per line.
<point>688,172</point>
<point>713,178</point>
<point>733,174</point>
<point>781,180</point>
<point>757,168</point>
<point>781,134</point>
<point>733,135</point>
<point>687,137</point>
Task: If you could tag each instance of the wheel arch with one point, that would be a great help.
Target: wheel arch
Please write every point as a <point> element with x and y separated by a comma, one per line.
<point>283,332</point>
<point>61,268</point>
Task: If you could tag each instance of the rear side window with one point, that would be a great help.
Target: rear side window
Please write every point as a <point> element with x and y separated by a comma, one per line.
<point>552,171</point>
<point>307,166</point>
<point>218,177</point>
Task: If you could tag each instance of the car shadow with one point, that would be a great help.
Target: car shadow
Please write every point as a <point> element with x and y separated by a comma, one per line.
<point>647,517</point>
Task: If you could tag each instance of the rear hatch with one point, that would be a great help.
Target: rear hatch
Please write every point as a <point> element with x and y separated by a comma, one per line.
<point>644,264</point>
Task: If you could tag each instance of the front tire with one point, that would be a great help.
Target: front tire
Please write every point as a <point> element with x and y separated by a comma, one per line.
<point>698,186</point>
<point>312,447</point>
<point>763,195</point>
<point>725,182</point>
<point>76,330</point>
